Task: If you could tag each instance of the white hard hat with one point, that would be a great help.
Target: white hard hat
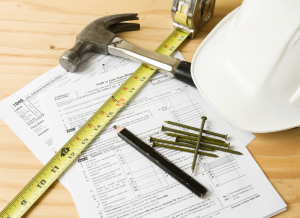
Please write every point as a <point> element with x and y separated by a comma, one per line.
<point>248,67</point>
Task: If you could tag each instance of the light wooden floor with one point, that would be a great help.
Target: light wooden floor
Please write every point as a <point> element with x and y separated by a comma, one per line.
<point>33,35</point>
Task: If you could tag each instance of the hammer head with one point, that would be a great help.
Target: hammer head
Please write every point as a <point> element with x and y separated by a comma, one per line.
<point>95,37</point>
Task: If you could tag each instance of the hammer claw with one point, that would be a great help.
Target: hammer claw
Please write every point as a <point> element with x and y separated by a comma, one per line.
<point>117,18</point>
<point>123,27</point>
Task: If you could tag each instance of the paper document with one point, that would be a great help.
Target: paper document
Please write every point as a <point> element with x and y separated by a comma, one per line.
<point>22,111</point>
<point>111,179</point>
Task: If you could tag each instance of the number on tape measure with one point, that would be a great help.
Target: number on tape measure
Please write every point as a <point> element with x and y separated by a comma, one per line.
<point>65,156</point>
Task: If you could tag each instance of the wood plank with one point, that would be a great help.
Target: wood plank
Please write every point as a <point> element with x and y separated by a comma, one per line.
<point>288,189</point>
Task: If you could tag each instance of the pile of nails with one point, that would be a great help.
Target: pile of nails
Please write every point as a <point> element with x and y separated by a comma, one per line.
<point>194,142</point>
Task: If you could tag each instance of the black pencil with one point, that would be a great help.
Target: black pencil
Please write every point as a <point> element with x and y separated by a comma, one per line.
<point>161,162</point>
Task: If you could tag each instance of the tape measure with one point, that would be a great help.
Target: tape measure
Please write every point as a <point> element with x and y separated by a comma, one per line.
<point>66,155</point>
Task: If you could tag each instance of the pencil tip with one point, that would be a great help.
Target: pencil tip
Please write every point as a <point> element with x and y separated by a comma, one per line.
<point>192,170</point>
<point>166,121</point>
<point>118,129</point>
<point>115,126</point>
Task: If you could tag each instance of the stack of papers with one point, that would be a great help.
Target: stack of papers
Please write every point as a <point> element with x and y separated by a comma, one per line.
<point>110,178</point>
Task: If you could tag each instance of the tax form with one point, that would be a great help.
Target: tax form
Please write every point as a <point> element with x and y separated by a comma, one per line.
<point>22,111</point>
<point>111,179</point>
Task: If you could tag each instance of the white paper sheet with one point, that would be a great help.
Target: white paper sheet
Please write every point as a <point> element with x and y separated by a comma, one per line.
<point>111,179</point>
<point>22,111</point>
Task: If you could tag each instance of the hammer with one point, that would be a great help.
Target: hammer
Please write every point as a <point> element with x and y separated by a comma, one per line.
<point>99,37</point>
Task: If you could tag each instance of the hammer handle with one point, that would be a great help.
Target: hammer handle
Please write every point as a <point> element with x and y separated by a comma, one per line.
<point>169,66</point>
<point>183,73</point>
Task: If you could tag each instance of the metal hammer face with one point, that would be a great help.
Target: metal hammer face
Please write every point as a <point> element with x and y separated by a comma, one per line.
<point>95,37</point>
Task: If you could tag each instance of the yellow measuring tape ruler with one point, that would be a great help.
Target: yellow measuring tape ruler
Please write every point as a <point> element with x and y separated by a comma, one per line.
<point>65,156</point>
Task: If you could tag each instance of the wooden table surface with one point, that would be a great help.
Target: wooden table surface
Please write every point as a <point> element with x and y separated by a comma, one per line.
<point>34,34</point>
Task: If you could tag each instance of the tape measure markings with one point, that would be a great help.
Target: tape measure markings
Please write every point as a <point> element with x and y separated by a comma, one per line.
<point>66,155</point>
<point>172,42</point>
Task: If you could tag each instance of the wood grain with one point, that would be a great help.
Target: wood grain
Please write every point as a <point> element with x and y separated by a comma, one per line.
<point>33,35</point>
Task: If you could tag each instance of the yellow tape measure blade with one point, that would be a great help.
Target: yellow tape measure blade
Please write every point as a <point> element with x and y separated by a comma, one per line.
<point>172,42</point>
